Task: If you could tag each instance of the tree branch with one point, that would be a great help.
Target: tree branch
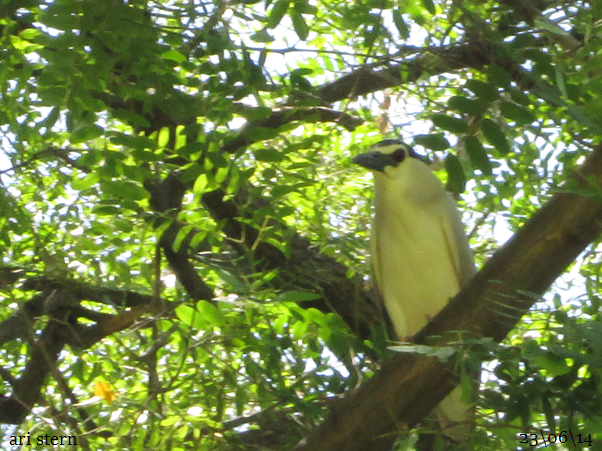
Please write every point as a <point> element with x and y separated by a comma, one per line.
<point>409,386</point>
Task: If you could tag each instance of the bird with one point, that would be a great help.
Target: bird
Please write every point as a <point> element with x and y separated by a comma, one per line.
<point>420,254</point>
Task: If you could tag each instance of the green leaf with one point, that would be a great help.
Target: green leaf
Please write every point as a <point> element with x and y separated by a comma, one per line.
<point>200,184</point>
<point>106,210</point>
<point>553,364</point>
<point>477,154</point>
<point>269,154</point>
<point>211,314</point>
<point>517,113</point>
<point>123,226</point>
<point>163,137</point>
<point>520,97</point>
<point>545,24</point>
<point>192,172</point>
<point>282,190</point>
<point>261,133</point>
<point>133,142</point>
<point>302,71</point>
<point>145,155</point>
<point>495,136</point>
<point>299,330</point>
<point>471,107</point>
<point>221,174</point>
<point>435,141</point>
<point>593,63</point>
<point>304,7</point>
<point>51,119</point>
<point>403,29</point>
<point>191,148</point>
<point>217,159</point>
<point>277,13</point>
<point>449,123</point>
<point>300,25</point>
<point>523,41</point>
<point>298,296</point>
<point>328,62</point>
<point>498,76</point>
<point>124,189</point>
<point>430,7</point>
<point>457,178</point>
<point>129,117</point>
<point>262,36</point>
<point>86,133</point>
<point>85,183</point>
<point>484,90</point>
<point>174,55</point>
<point>255,114</point>
<point>189,316</point>
<point>29,33</point>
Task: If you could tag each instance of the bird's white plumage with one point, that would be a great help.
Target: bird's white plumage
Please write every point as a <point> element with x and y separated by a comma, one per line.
<point>420,256</point>
<point>417,236</point>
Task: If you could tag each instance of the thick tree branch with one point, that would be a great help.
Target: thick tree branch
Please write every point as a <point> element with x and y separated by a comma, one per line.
<point>409,386</point>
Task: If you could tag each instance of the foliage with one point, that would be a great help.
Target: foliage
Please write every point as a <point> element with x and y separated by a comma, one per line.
<point>183,234</point>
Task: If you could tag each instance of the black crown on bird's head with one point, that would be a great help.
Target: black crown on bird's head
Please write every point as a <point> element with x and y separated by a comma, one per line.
<point>388,152</point>
<point>389,146</point>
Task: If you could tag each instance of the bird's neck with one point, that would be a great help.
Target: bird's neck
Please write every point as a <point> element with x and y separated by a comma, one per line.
<point>412,183</point>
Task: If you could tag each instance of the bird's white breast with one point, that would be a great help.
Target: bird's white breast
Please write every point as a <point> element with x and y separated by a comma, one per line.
<point>418,260</point>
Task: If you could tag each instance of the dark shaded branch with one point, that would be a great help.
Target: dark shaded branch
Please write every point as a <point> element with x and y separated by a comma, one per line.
<point>91,335</point>
<point>431,61</point>
<point>48,302</point>
<point>166,199</point>
<point>83,291</point>
<point>179,261</point>
<point>26,390</point>
<point>284,116</point>
<point>15,326</point>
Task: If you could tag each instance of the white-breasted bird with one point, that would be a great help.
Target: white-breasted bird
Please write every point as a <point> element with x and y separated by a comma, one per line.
<point>419,252</point>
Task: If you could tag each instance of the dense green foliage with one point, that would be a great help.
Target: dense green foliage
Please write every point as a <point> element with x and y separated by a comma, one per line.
<point>179,217</point>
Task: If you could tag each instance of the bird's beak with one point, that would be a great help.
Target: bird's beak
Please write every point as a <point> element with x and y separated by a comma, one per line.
<point>375,160</point>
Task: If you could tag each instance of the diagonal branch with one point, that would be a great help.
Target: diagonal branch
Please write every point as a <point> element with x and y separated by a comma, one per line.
<point>409,386</point>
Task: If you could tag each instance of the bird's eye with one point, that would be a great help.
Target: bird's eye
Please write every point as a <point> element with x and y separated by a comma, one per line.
<point>399,155</point>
